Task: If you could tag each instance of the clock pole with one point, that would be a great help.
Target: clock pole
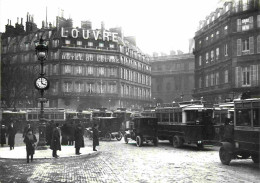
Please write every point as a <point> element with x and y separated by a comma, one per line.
<point>42,53</point>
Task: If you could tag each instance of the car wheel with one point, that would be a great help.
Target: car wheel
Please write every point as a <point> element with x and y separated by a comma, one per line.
<point>225,156</point>
<point>255,158</point>
<point>126,139</point>
<point>171,140</point>
<point>200,145</point>
<point>176,141</point>
<point>119,136</point>
<point>108,136</point>
<point>139,141</point>
<point>155,141</point>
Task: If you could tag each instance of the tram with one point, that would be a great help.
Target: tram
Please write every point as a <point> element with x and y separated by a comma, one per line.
<point>186,122</point>
<point>242,137</point>
<point>149,112</point>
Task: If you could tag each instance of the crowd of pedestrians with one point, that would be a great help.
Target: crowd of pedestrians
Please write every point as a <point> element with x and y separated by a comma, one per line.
<point>56,136</point>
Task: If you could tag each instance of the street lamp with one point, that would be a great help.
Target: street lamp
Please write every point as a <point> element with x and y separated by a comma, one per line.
<point>41,83</point>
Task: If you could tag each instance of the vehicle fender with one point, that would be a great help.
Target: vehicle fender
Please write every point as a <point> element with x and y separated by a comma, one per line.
<point>228,146</point>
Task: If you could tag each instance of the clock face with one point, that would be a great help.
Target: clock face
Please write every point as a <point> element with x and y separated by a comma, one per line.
<point>41,83</point>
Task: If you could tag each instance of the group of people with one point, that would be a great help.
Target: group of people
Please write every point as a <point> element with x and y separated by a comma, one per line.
<point>69,133</point>
<point>9,132</point>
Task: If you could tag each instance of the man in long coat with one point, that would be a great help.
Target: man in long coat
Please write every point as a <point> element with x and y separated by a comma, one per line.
<point>3,135</point>
<point>55,141</point>
<point>95,137</point>
<point>30,140</point>
<point>11,135</point>
<point>79,139</point>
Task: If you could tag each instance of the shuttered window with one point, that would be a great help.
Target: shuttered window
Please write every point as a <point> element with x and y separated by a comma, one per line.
<point>239,25</point>
<point>258,44</point>
<point>239,47</point>
<point>258,20</point>
<point>251,45</point>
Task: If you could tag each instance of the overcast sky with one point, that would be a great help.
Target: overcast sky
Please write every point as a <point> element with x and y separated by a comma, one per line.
<point>158,25</point>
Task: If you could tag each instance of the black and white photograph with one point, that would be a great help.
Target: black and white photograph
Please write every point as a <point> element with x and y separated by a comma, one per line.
<point>129,91</point>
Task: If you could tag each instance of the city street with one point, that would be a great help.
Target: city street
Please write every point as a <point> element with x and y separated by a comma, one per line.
<point>120,162</point>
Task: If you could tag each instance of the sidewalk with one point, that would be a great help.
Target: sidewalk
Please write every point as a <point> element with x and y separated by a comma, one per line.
<point>66,151</point>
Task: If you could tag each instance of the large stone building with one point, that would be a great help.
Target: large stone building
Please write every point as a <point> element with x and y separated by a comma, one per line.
<point>172,77</point>
<point>227,52</point>
<point>87,68</point>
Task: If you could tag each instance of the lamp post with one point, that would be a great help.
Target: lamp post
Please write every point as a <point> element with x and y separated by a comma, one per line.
<point>42,84</point>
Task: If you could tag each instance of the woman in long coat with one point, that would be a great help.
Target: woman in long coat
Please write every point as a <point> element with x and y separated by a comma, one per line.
<point>3,135</point>
<point>30,140</point>
<point>95,137</point>
<point>79,139</point>
<point>55,141</point>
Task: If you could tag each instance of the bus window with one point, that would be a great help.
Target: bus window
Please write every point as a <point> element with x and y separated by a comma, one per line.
<point>165,117</point>
<point>256,118</point>
<point>243,117</point>
<point>171,117</point>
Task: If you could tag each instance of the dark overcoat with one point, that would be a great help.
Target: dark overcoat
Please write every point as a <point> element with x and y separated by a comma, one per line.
<point>11,135</point>
<point>95,137</point>
<point>3,135</point>
<point>55,141</point>
<point>30,147</point>
<point>71,130</point>
<point>78,136</point>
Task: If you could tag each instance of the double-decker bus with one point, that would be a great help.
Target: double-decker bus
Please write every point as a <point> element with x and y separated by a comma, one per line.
<point>241,139</point>
<point>186,122</point>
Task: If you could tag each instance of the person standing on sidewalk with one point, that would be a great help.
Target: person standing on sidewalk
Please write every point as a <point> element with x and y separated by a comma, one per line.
<point>3,135</point>
<point>25,130</point>
<point>11,135</point>
<point>95,137</point>
<point>30,141</point>
<point>55,141</point>
<point>79,139</point>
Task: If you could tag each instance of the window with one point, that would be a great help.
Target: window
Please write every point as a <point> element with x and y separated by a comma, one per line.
<point>90,88</point>
<point>217,79</point>
<point>226,29</point>
<point>212,79</point>
<point>217,53</point>
<point>225,49</point>
<point>207,57</point>
<point>79,43</point>
<point>101,45</point>
<point>111,46</point>
<point>256,117</point>
<point>217,34</point>
<point>67,69</point>
<point>245,24</point>
<point>245,46</point>
<point>258,20</point>
<point>67,87</point>
<point>207,81</point>
<point>243,117</point>
<point>226,76</point>
<point>67,42</point>
<point>55,69</point>
<point>79,87</point>
<point>78,70</point>
<point>258,44</point>
<point>89,70</point>
<point>90,44</point>
<point>200,82</point>
<point>200,61</point>
<point>246,76</point>
<point>212,55</point>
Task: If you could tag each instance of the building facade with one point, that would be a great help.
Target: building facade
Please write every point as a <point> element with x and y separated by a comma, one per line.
<point>87,68</point>
<point>172,78</point>
<point>227,52</point>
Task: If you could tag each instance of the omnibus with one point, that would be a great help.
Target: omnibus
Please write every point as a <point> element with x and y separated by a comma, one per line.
<point>186,122</point>
<point>124,116</point>
<point>242,137</point>
<point>222,113</point>
<point>149,112</point>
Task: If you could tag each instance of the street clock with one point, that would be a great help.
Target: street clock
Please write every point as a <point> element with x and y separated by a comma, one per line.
<point>41,83</point>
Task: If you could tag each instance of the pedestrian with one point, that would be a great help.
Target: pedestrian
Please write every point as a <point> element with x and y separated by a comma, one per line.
<point>25,130</point>
<point>11,135</point>
<point>30,141</point>
<point>79,139</point>
<point>64,134</point>
<point>71,131</point>
<point>49,130</point>
<point>95,137</point>
<point>3,135</point>
<point>55,141</point>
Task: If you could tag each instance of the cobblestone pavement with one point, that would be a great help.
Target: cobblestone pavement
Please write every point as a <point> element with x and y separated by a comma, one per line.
<point>120,162</point>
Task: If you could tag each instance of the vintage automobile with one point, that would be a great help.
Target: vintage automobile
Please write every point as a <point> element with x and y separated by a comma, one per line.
<point>241,139</point>
<point>142,129</point>
<point>109,128</point>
